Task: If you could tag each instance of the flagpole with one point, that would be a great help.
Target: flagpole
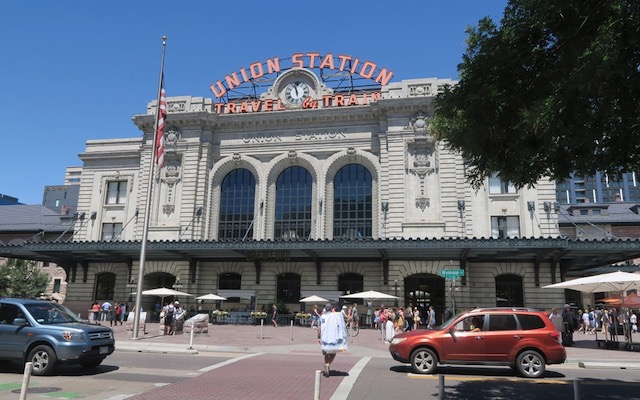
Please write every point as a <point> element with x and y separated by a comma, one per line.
<point>145,227</point>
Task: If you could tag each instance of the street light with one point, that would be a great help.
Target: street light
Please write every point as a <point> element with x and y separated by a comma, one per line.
<point>395,281</point>
<point>177,285</point>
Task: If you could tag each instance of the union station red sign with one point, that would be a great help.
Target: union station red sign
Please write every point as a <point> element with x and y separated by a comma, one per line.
<point>340,63</point>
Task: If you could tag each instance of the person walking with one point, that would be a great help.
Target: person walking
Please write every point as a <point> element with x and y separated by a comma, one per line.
<point>332,336</point>
<point>416,318</point>
<point>432,318</point>
<point>274,315</point>
<point>315,317</point>
<point>568,327</point>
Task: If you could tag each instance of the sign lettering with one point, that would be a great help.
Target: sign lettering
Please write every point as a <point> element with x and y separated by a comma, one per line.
<point>341,62</point>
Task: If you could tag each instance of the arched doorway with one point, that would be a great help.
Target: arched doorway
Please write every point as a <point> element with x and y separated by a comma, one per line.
<point>424,290</point>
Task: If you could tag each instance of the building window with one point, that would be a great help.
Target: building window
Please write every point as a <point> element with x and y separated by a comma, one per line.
<point>293,204</point>
<point>229,281</point>
<point>105,286</point>
<point>56,285</point>
<point>116,192</point>
<point>352,202</point>
<point>509,291</point>
<point>351,283</point>
<point>498,186</point>
<point>505,227</point>
<point>237,200</point>
<point>288,288</point>
<point>111,231</point>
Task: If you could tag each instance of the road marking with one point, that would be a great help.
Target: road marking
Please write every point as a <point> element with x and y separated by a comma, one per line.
<point>231,361</point>
<point>343,390</point>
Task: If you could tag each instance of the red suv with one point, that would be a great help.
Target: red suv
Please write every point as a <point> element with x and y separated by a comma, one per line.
<point>521,338</point>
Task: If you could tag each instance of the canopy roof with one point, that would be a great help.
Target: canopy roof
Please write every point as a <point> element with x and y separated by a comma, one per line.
<point>570,254</point>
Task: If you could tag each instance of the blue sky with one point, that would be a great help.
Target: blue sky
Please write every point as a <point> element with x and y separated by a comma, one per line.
<point>73,71</point>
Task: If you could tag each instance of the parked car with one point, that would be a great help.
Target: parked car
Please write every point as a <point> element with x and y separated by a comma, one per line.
<point>47,334</point>
<point>521,338</point>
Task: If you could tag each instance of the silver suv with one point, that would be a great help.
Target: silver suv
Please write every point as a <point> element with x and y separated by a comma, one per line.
<point>47,334</point>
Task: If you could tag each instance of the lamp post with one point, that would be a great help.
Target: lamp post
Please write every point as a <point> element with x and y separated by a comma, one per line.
<point>395,281</point>
<point>177,285</point>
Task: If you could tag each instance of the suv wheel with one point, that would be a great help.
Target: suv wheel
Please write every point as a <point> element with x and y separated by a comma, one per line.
<point>423,361</point>
<point>530,364</point>
<point>44,360</point>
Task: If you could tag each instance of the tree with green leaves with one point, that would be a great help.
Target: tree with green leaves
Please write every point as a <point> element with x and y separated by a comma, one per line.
<point>22,278</point>
<point>554,89</point>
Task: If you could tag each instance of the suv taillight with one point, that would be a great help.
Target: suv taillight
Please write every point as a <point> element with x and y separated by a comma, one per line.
<point>555,335</point>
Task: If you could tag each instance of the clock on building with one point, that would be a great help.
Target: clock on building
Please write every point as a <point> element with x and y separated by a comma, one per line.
<point>295,92</point>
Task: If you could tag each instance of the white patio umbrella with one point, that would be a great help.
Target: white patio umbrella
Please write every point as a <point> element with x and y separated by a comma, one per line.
<point>314,299</point>
<point>211,296</point>
<point>611,282</point>
<point>369,294</point>
<point>164,292</point>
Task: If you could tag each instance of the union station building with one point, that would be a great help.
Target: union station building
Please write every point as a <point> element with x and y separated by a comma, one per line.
<point>310,175</point>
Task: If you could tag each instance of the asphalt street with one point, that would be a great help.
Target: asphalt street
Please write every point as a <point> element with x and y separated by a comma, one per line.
<point>248,361</point>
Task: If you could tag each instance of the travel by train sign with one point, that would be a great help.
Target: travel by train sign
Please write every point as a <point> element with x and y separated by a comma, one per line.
<point>238,91</point>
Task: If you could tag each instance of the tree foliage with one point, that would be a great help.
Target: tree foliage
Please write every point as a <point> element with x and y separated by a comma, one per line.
<point>22,278</point>
<point>554,89</point>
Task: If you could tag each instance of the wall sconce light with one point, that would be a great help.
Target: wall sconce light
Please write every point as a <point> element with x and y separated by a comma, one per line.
<point>461,205</point>
<point>320,203</point>
<point>94,215</point>
<point>556,206</point>
<point>384,207</point>
<point>82,216</point>
<point>262,204</point>
<point>198,211</point>
<point>547,206</point>
<point>531,206</point>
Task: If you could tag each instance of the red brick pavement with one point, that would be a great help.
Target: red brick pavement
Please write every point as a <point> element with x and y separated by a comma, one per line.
<point>264,376</point>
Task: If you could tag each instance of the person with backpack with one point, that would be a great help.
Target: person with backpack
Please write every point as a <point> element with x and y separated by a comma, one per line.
<point>168,311</point>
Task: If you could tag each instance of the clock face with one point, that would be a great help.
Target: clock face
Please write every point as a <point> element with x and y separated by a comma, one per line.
<point>296,92</point>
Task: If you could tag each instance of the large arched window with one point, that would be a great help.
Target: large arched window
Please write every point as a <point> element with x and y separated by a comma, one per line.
<point>352,202</point>
<point>509,291</point>
<point>293,204</point>
<point>105,286</point>
<point>237,199</point>
<point>288,288</point>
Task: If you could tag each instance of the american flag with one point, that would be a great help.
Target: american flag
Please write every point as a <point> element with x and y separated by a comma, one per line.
<point>162,113</point>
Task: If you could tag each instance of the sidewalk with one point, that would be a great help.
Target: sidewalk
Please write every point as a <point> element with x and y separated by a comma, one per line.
<point>251,339</point>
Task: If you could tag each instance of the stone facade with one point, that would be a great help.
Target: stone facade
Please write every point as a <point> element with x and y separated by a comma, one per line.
<point>418,191</point>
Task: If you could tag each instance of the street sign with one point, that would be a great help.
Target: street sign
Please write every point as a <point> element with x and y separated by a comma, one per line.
<point>452,273</point>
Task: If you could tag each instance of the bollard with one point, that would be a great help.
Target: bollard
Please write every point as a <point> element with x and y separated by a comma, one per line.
<point>441,384</point>
<point>316,386</point>
<point>576,389</point>
<point>25,380</point>
<point>261,328</point>
<point>191,337</point>
<point>291,331</point>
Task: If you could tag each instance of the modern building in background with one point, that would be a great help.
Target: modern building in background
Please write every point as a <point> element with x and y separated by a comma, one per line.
<point>311,177</point>
<point>599,189</point>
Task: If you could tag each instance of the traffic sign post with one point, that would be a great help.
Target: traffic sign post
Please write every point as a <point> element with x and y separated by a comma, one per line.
<point>452,273</point>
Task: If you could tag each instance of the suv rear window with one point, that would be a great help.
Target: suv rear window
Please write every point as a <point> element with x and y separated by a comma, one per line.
<point>530,322</point>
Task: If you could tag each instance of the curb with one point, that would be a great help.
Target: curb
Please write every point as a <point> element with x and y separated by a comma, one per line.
<point>608,365</point>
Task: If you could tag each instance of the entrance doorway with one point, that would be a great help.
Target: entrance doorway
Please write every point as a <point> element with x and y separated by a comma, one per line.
<point>424,290</point>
